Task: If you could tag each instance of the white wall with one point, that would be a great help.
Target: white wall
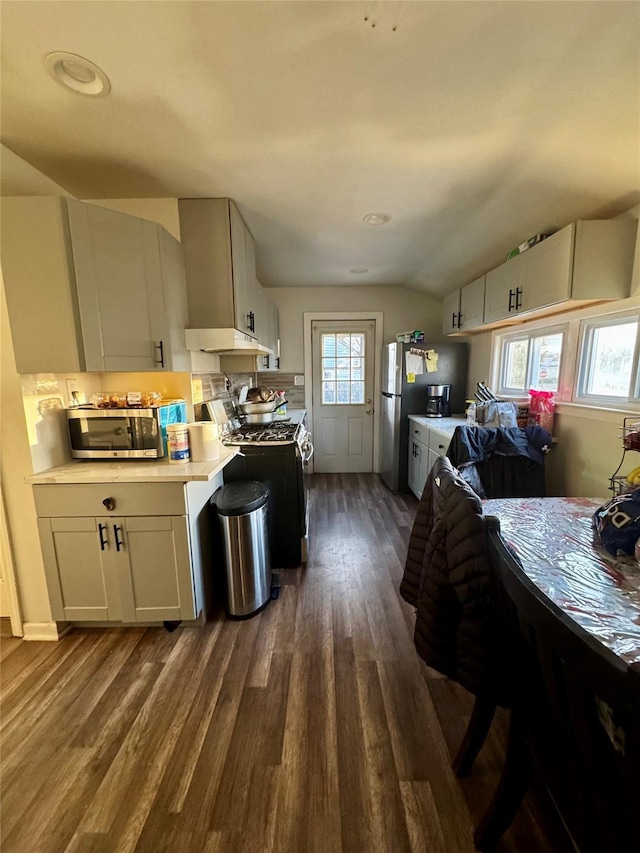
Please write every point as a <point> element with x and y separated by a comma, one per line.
<point>403,310</point>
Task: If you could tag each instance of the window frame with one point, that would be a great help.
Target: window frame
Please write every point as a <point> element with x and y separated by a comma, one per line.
<point>528,335</point>
<point>588,327</point>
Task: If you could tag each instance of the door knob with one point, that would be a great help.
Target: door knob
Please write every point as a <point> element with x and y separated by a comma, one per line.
<point>369,411</point>
<point>368,400</point>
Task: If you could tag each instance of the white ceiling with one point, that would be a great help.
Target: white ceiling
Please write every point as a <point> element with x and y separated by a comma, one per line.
<point>473,124</point>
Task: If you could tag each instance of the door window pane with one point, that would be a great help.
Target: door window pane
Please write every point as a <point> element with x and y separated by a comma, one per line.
<point>343,369</point>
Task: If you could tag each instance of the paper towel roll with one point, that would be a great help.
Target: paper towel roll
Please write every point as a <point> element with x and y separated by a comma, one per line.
<point>203,441</point>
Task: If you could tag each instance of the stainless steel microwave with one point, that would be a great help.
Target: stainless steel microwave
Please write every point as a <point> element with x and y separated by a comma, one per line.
<point>122,433</point>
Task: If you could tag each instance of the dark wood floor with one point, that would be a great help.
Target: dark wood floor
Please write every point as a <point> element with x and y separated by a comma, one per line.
<point>311,727</point>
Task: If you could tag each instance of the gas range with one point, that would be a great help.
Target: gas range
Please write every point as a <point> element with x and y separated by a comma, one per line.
<point>277,432</point>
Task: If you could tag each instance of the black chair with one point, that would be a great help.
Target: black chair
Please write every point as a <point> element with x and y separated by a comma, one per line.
<point>575,718</point>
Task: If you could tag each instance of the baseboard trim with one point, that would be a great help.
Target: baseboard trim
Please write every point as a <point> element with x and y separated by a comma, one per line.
<point>45,631</point>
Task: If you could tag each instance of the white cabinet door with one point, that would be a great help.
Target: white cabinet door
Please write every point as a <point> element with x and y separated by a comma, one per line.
<point>134,569</point>
<point>472,304</point>
<point>432,459</point>
<point>548,270</point>
<point>154,569</point>
<point>117,270</point>
<point>418,468</point>
<point>242,288</point>
<point>503,290</point>
<point>169,314</point>
<point>451,313</point>
<point>81,577</point>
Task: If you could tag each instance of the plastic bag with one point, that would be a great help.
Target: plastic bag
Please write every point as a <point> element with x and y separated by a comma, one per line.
<point>541,409</point>
<point>496,413</point>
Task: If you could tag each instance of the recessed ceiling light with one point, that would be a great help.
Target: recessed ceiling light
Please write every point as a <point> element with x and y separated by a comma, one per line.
<point>77,73</point>
<point>359,270</point>
<point>377,218</point>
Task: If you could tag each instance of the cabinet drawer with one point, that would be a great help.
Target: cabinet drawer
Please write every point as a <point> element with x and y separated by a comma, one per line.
<point>419,432</point>
<point>439,442</point>
<point>86,499</point>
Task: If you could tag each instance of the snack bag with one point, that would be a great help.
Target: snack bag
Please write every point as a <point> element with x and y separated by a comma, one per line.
<point>541,409</point>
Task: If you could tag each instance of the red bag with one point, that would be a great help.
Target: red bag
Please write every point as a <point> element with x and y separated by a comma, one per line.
<point>541,409</point>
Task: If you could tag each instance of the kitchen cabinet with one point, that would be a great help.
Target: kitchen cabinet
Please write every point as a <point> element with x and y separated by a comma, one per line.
<point>219,253</point>
<point>464,309</point>
<point>270,335</point>
<point>93,290</point>
<point>588,261</point>
<point>426,444</point>
<point>104,565</point>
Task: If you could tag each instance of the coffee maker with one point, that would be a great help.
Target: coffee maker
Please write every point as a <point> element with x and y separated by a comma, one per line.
<point>438,401</point>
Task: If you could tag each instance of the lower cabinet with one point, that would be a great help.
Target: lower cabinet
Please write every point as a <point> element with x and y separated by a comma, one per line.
<point>425,445</point>
<point>419,466</point>
<point>110,568</point>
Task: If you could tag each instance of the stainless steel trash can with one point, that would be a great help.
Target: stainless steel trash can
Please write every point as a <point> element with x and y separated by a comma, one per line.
<point>242,514</point>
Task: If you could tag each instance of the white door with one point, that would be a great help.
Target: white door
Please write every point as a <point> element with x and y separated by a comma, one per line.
<point>343,370</point>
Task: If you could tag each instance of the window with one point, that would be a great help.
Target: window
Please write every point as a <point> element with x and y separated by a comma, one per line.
<point>530,360</point>
<point>609,360</point>
<point>343,369</point>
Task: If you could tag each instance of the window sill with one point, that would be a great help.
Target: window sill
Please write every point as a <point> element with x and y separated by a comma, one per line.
<point>596,413</point>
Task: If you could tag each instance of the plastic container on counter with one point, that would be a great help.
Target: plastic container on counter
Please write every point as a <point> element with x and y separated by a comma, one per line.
<point>178,442</point>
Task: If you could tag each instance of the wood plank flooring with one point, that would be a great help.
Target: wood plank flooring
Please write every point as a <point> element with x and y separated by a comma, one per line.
<point>310,728</point>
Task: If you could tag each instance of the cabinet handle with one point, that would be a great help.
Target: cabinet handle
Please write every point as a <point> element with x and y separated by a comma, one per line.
<point>277,362</point>
<point>251,321</point>
<point>518,298</point>
<point>453,320</point>
<point>119,542</point>
<point>459,320</point>
<point>103,540</point>
<point>160,346</point>
<point>266,361</point>
<point>511,300</point>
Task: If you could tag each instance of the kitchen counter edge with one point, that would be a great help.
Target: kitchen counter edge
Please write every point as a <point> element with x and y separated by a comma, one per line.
<point>134,472</point>
<point>446,425</point>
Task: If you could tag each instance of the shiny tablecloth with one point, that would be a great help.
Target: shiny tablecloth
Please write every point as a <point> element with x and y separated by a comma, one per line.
<point>559,551</point>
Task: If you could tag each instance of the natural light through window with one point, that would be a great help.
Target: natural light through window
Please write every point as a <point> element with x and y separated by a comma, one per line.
<point>608,359</point>
<point>530,361</point>
<point>343,369</point>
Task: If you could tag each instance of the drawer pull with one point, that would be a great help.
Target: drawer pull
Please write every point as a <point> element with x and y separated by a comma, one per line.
<point>103,541</point>
<point>109,504</point>
<point>119,542</point>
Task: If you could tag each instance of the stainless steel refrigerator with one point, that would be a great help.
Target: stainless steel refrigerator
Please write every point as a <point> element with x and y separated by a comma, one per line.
<point>401,398</point>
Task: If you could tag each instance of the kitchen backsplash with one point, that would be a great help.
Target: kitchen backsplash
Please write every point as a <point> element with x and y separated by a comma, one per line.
<point>213,386</point>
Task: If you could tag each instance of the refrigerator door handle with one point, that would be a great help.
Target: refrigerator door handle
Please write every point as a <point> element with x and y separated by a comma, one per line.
<point>387,394</point>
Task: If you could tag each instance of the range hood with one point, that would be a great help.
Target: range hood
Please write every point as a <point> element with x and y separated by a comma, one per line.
<point>224,342</point>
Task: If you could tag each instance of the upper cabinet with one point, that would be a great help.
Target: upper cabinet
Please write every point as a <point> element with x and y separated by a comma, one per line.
<point>269,334</point>
<point>220,263</point>
<point>464,309</point>
<point>588,261</point>
<point>91,289</point>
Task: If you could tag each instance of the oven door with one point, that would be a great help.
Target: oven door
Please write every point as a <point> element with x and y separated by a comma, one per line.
<point>279,467</point>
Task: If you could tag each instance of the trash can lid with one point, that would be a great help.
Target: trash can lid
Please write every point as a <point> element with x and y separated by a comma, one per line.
<point>240,498</point>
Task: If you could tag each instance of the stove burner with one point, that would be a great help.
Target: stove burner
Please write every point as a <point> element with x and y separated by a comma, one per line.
<point>278,432</point>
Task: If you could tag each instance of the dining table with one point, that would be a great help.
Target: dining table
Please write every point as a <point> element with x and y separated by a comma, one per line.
<point>560,552</point>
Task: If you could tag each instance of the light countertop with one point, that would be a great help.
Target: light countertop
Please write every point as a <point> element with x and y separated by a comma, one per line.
<point>446,425</point>
<point>152,471</point>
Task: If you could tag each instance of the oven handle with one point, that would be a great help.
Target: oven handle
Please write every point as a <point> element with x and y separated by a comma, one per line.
<point>308,447</point>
